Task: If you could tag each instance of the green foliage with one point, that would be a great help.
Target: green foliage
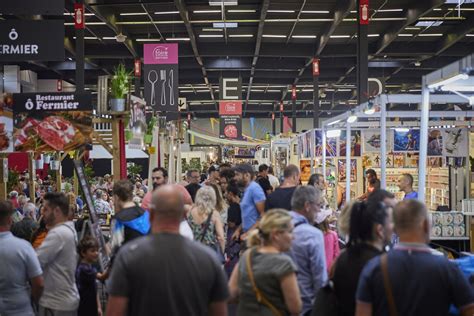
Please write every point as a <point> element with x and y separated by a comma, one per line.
<point>151,125</point>
<point>13,179</point>
<point>88,173</point>
<point>119,83</point>
<point>134,170</point>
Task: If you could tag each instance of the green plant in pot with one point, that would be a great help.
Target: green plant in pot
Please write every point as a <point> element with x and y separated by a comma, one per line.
<point>149,130</point>
<point>119,87</point>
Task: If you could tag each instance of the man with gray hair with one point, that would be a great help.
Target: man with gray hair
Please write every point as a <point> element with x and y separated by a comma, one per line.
<point>307,249</point>
<point>165,273</point>
<point>24,229</point>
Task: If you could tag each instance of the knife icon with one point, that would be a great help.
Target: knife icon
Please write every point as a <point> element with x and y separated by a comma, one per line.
<point>170,85</point>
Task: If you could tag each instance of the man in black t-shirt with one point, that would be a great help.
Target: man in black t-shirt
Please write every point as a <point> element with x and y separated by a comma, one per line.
<point>193,179</point>
<point>262,179</point>
<point>281,197</point>
<point>165,273</point>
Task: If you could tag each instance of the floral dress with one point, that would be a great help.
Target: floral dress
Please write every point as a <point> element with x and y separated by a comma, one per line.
<point>209,238</point>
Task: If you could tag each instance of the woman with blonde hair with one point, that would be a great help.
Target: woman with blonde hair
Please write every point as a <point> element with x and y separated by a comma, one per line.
<point>264,281</point>
<point>221,205</point>
<point>205,221</point>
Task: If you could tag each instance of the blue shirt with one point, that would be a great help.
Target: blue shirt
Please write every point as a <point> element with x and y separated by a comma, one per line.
<point>19,264</point>
<point>253,194</point>
<point>422,283</point>
<point>411,196</point>
<point>307,251</point>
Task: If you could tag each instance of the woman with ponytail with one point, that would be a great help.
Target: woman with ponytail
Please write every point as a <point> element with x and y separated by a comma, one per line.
<point>264,282</point>
<point>369,231</point>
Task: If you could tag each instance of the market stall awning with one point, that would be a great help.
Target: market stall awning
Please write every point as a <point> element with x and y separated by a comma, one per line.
<point>218,140</point>
<point>99,152</point>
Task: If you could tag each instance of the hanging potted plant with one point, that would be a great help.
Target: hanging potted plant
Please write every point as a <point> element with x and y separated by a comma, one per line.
<point>119,87</point>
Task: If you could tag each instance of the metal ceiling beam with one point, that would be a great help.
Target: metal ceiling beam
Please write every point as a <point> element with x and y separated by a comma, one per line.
<point>416,10</point>
<point>455,34</point>
<point>110,19</point>
<point>261,23</point>
<point>183,12</point>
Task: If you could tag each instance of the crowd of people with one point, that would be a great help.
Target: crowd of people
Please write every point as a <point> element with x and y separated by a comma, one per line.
<point>232,241</point>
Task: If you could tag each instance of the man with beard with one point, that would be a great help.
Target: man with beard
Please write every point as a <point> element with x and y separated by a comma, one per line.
<point>193,179</point>
<point>159,177</point>
<point>58,259</point>
<point>252,203</point>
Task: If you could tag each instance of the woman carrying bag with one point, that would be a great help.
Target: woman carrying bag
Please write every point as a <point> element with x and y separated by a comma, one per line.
<point>264,282</point>
<point>205,221</point>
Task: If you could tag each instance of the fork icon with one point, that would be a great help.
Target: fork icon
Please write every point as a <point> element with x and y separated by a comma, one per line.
<point>163,86</point>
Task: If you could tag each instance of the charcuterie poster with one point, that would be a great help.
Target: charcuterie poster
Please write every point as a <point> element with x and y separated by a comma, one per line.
<point>51,121</point>
<point>230,121</point>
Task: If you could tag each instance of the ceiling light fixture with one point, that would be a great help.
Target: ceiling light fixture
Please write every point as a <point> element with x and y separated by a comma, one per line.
<point>72,14</point>
<point>210,35</point>
<point>281,11</point>
<point>430,34</point>
<point>273,36</point>
<point>428,23</point>
<point>340,36</point>
<point>405,35</point>
<point>108,38</point>
<point>148,39</point>
<point>373,35</point>
<point>315,12</point>
<point>303,36</point>
<point>132,13</point>
<point>411,28</point>
<point>212,30</point>
<point>177,39</point>
<point>223,2</point>
<point>241,11</point>
<point>470,35</point>
<point>240,35</point>
<point>166,12</point>
<point>228,25</point>
<point>206,11</point>
<point>389,10</point>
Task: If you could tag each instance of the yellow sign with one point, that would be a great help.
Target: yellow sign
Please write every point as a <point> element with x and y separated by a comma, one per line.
<point>151,150</point>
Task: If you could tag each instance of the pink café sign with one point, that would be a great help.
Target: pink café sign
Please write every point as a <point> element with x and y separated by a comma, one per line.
<point>160,54</point>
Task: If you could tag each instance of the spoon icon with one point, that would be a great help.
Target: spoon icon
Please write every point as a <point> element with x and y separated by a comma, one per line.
<point>152,79</point>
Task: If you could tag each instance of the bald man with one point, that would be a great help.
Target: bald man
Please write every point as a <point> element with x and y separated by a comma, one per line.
<point>421,283</point>
<point>165,273</point>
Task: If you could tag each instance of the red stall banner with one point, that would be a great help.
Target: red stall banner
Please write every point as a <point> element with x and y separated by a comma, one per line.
<point>79,22</point>
<point>293,93</point>
<point>363,12</point>
<point>315,66</point>
<point>273,116</point>
<point>137,68</point>
<point>230,107</point>
<point>281,106</point>
<point>59,85</point>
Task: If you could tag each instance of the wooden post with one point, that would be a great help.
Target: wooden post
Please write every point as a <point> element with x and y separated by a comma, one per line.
<point>32,174</point>
<point>3,180</point>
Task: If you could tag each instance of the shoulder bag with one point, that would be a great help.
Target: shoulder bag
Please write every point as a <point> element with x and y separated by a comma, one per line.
<point>392,309</point>
<point>325,303</point>
<point>261,299</point>
<point>217,248</point>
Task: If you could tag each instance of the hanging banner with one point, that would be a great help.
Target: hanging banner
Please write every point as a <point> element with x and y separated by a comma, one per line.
<point>230,127</point>
<point>137,122</point>
<point>371,141</point>
<point>230,123</point>
<point>355,144</point>
<point>52,121</point>
<point>22,40</point>
<point>315,67</point>
<point>137,68</point>
<point>435,142</point>
<point>161,76</point>
<point>364,12</point>
<point>455,142</point>
<point>27,7</point>
<point>79,21</point>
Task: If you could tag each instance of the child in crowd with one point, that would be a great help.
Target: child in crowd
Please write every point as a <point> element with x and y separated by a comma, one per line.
<point>86,278</point>
<point>331,240</point>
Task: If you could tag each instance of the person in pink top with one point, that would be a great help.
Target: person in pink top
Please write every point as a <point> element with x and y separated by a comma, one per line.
<point>331,239</point>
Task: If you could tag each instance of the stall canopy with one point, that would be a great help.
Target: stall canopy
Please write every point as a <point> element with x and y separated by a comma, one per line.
<point>99,152</point>
<point>223,141</point>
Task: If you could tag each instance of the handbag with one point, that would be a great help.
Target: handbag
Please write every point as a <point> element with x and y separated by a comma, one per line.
<point>326,302</point>
<point>261,299</point>
<point>392,309</point>
<point>217,248</point>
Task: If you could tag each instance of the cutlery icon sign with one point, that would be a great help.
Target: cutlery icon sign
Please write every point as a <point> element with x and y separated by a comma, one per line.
<point>170,85</point>
<point>163,85</point>
<point>152,79</point>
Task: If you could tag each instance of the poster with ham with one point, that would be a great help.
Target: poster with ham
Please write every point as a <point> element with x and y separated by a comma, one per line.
<point>230,121</point>
<point>51,121</point>
<point>6,123</point>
